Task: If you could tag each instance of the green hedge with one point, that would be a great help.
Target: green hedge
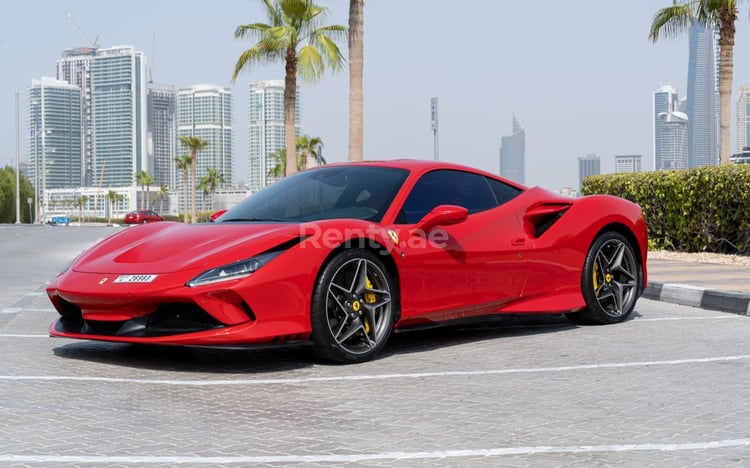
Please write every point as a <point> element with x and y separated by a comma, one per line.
<point>706,209</point>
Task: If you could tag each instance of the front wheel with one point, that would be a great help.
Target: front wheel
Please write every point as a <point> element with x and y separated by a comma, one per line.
<point>611,281</point>
<point>353,307</point>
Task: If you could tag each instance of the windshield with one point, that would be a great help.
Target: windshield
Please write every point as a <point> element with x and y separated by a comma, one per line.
<point>332,192</point>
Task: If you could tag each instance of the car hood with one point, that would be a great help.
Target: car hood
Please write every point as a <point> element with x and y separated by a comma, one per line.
<point>166,247</point>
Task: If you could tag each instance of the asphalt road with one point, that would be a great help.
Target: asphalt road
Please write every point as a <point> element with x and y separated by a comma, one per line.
<point>667,388</point>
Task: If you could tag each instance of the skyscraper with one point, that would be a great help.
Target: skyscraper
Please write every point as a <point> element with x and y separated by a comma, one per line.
<point>118,96</point>
<point>113,88</point>
<point>743,117</point>
<point>75,68</point>
<point>205,111</point>
<point>702,98</point>
<point>588,165</point>
<point>55,136</point>
<point>513,153</point>
<point>162,133</point>
<point>266,131</point>
<point>670,130</point>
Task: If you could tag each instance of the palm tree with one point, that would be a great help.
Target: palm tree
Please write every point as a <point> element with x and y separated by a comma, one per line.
<point>356,62</point>
<point>210,182</point>
<point>305,146</point>
<point>112,197</point>
<point>293,34</point>
<point>144,180</point>
<point>183,164</point>
<point>309,147</point>
<point>194,144</point>
<point>677,19</point>
<point>80,202</point>
<point>162,194</point>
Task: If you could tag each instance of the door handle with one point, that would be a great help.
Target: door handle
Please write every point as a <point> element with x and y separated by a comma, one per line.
<point>519,241</point>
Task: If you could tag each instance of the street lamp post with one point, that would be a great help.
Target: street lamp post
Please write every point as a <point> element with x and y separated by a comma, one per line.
<point>29,200</point>
<point>18,166</point>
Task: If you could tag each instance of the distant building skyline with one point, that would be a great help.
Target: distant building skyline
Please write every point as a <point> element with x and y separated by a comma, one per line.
<point>513,154</point>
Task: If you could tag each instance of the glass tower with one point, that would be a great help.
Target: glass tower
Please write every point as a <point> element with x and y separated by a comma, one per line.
<point>266,131</point>
<point>205,111</point>
<point>702,98</point>
<point>162,133</point>
<point>118,96</point>
<point>54,136</point>
<point>513,153</point>
<point>75,68</point>
<point>113,100</point>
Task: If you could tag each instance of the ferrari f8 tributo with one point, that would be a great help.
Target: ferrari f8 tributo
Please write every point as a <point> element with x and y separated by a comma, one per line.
<point>341,255</point>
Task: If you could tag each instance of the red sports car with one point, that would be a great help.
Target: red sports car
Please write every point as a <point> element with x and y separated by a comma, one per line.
<point>142,217</point>
<point>341,255</point>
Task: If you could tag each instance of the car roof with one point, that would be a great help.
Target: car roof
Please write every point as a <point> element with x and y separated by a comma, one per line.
<point>421,166</point>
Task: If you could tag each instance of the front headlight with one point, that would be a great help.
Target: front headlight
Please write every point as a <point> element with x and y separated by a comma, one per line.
<point>233,271</point>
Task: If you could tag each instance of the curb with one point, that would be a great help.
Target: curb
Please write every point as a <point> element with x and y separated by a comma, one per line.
<point>711,299</point>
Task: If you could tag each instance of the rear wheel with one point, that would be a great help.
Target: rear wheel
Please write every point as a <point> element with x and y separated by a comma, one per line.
<point>611,282</point>
<point>353,309</point>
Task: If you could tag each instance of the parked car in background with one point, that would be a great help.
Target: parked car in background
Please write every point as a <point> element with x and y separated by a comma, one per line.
<point>59,220</point>
<point>142,217</point>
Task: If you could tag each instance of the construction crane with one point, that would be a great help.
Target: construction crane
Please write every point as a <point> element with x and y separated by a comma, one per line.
<point>94,44</point>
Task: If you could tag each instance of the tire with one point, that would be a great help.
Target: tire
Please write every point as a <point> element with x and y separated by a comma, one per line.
<point>353,307</point>
<point>611,282</point>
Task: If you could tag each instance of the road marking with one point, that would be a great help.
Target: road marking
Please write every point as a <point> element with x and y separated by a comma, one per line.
<point>349,378</point>
<point>363,457</point>
<point>18,335</point>
<point>666,319</point>
<point>11,310</point>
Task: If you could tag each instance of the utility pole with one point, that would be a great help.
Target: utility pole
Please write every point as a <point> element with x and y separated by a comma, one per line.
<point>434,108</point>
<point>18,166</point>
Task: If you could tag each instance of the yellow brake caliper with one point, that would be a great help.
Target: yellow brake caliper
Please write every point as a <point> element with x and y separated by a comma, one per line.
<point>370,298</point>
<point>596,276</point>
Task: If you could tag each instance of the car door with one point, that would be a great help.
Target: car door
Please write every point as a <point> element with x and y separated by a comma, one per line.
<point>469,268</point>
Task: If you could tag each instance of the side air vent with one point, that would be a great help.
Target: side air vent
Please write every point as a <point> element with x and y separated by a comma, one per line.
<point>540,218</point>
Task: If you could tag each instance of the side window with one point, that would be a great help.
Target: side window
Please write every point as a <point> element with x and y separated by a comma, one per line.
<point>503,192</point>
<point>446,187</point>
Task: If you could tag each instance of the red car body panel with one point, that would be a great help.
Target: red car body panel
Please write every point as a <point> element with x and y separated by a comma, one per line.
<point>491,262</point>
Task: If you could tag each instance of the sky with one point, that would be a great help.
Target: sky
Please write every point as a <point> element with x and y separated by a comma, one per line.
<point>578,75</point>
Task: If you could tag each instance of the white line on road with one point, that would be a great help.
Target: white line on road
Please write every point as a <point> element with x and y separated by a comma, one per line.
<point>19,335</point>
<point>363,457</point>
<point>349,378</point>
<point>666,319</point>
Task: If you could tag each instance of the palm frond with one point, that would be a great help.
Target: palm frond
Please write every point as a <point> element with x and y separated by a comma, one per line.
<point>672,21</point>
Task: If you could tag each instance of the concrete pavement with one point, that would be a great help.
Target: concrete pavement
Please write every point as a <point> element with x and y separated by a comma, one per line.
<point>706,285</point>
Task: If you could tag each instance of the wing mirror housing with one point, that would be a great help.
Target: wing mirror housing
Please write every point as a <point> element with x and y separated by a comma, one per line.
<point>443,215</point>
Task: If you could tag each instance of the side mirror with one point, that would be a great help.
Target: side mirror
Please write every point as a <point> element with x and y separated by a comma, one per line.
<point>443,215</point>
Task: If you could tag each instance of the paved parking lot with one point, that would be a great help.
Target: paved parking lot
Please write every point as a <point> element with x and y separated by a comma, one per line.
<point>667,388</point>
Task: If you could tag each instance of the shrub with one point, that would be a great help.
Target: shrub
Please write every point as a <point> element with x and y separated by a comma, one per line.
<point>706,209</point>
